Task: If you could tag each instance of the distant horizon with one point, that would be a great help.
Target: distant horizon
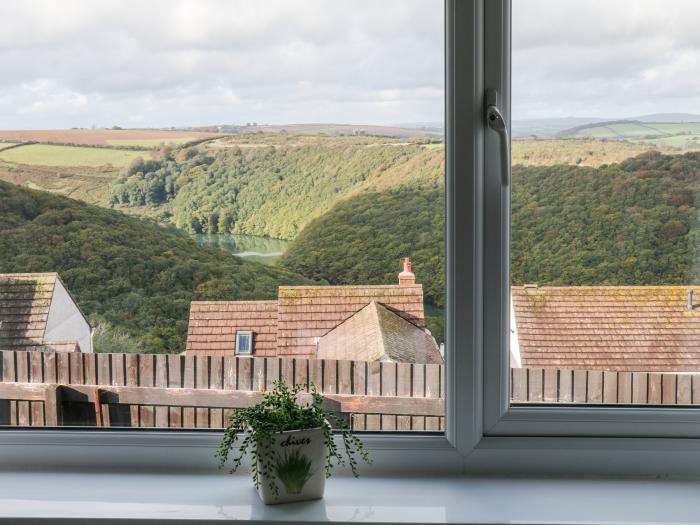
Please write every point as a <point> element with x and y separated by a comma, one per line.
<point>401,125</point>
<point>242,125</point>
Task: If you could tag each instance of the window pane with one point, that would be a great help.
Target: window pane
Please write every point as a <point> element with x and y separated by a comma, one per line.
<point>243,344</point>
<point>606,157</point>
<point>184,182</point>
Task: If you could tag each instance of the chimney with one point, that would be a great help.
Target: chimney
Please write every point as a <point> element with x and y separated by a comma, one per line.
<point>407,277</point>
<point>691,307</point>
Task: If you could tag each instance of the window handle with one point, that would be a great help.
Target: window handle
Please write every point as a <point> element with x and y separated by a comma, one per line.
<point>495,122</point>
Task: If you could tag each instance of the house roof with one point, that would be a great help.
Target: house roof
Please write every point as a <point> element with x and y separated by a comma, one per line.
<point>25,299</point>
<point>308,312</point>
<point>291,325</point>
<point>213,325</point>
<point>623,328</point>
<point>376,333</point>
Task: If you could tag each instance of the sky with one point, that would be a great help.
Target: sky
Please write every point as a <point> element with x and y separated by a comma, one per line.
<point>155,63</point>
<point>605,58</point>
<point>152,63</point>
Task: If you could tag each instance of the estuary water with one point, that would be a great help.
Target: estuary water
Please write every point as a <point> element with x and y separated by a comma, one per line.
<point>253,247</point>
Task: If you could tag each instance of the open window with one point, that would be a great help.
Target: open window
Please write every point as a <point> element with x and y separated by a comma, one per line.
<point>471,403</point>
<point>590,317</point>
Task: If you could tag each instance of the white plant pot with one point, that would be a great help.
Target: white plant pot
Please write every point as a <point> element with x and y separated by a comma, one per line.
<point>298,467</point>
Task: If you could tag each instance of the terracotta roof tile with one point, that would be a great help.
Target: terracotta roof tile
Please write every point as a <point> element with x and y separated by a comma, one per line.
<point>624,328</point>
<point>213,326</point>
<point>24,306</point>
<point>319,309</point>
<point>290,325</point>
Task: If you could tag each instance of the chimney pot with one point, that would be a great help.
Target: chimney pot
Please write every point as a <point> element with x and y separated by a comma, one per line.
<point>407,277</point>
<point>691,307</point>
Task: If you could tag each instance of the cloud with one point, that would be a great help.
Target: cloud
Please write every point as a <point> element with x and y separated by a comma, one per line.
<point>195,62</point>
<point>606,58</point>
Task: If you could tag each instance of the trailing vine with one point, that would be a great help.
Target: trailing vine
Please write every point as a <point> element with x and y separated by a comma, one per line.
<point>279,411</point>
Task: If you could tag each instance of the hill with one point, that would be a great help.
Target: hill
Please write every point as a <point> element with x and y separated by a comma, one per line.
<point>117,137</point>
<point>363,240</point>
<point>271,185</point>
<point>679,135</point>
<point>632,223</point>
<point>330,129</point>
<point>548,127</point>
<point>133,278</point>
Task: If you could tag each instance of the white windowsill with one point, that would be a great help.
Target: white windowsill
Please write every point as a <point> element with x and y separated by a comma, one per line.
<point>162,498</point>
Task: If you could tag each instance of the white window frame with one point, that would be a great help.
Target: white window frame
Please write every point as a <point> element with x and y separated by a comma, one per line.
<point>590,439</point>
<point>249,335</point>
<point>483,433</point>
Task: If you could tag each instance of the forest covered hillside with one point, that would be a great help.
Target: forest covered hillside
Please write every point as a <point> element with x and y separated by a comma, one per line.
<point>630,223</point>
<point>132,278</point>
<point>272,187</point>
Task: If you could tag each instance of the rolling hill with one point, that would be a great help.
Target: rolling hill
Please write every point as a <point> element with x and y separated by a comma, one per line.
<point>134,279</point>
<point>272,185</point>
<point>632,223</point>
<point>682,135</point>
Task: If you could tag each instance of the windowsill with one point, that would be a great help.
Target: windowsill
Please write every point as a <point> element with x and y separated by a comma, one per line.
<point>214,497</point>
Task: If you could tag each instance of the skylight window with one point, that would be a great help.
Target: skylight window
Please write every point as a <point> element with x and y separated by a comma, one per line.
<point>244,343</point>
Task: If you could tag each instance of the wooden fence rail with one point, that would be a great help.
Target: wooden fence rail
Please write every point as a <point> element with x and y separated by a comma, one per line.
<point>597,387</point>
<point>384,383</point>
<point>108,400</point>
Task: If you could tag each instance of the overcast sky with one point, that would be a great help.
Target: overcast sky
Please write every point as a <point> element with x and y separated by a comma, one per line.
<point>141,63</point>
<point>195,62</point>
<point>605,58</point>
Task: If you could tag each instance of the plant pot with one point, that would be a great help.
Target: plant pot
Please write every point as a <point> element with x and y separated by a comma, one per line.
<point>298,466</point>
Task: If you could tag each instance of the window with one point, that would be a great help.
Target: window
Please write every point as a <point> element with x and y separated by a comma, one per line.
<point>569,218</point>
<point>603,206</point>
<point>483,431</point>
<point>244,343</point>
<point>237,193</point>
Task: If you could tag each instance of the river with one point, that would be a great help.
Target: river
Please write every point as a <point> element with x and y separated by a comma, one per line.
<point>252,247</point>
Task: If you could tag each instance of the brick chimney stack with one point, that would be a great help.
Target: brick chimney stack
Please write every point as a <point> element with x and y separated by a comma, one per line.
<point>407,277</point>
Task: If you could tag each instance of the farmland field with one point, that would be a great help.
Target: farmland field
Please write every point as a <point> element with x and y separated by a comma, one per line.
<point>669,135</point>
<point>83,183</point>
<point>590,151</point>
<point>5,145</point>
<point>52,155</point>
<point>106,137</point>
<point>154,143</point>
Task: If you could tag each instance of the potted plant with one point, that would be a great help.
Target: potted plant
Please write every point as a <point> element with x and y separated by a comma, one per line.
<point>292,446</point>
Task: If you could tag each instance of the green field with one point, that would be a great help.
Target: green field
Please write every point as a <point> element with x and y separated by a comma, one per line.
<point>49,155</point>
<point>685,142</point>
<point>152,143</point>
<point>5,145</point>
<point>677,135</point>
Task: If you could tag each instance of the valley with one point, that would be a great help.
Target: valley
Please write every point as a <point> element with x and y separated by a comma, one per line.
<point>330,209</point>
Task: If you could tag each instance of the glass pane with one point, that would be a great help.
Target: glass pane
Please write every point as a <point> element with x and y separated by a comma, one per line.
<point>173,173</point>
<point>243,345</point>
<point>606,157</point>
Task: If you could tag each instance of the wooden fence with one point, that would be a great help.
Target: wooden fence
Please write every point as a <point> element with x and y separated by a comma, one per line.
<point>376,396</point>
<point>597,387</point>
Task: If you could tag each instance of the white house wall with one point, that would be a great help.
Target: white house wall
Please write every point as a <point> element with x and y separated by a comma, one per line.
<point>515,361</point>
<point>65,321</point>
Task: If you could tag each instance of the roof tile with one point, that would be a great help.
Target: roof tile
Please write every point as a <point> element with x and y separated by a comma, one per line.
<point>622,328</point>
